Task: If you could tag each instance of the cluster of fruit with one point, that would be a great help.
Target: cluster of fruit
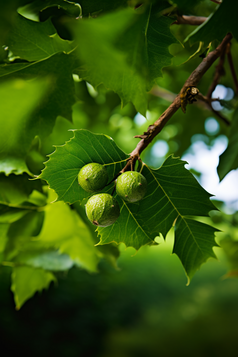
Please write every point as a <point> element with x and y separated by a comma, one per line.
<point>102,209</point>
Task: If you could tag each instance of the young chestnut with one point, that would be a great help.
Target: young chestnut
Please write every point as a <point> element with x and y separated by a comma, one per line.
<point>93,177</point>
<point>131,186</point>
<point>102,210</point>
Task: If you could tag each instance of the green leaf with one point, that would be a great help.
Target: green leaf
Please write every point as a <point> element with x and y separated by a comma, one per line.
<point>47,260</point>
<point>61,171</point>
<point>95,6</point>
<point>15,140</point>
<point>230,247</point>
<point>15,190</point>
<point>193,244</point>
<point>10,215</point>
<point>8,15</point>
<point>172,193</point>
<point>133,50</point>
<point>110,67</point>
<point>26,281</point>
<point>186,5</point>
<point>56,71</point>
<point>35,41</point>
<point>218,24</point>
<point>32,241</point>
<point>32,238</point>
<point>3,235</point>
<point>64,230</point>
<point>146,43</point>
<point>110,253</point>
<point>38,6</point>
<point>18,196</point>
<point>22,232</point>
<point>229,158</point>
<point>130,228</point>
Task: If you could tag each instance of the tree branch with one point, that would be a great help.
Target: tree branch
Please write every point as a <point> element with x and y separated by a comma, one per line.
<point>192,80</point>
<point>220,115</point>
<point>216,2</point>
<point>208,102</point>
<point>163,93</point>
<point>204,102</point>
<point>198,73</point>
<point>218,74</point>
<point>232,68</point>
<point>189,20</point>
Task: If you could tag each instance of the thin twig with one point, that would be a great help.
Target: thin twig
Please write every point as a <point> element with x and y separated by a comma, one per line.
<point>206,99</point>
<point>220,115</point>
<point>113,190</point>
<point>163,93</point>
<point>189,20</point>
<point>216,2</point>
<point>220,71</point>
<point>114,178</point>
<point>209,101</point>
<point>207,62</point>
<point>232,68</point>
<point>192,80</point>
<point>203,102</point>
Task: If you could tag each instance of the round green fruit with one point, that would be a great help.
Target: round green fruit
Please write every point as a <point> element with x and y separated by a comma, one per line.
<point>102,210</point>
<point>131,186</point>
<point>93,177</point>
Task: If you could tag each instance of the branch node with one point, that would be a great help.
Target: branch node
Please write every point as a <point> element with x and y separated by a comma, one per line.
<point>188,96</point>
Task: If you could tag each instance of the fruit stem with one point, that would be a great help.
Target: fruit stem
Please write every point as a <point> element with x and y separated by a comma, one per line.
<point>114,178</point>
<point>130,166</point>
<point>114,189</point>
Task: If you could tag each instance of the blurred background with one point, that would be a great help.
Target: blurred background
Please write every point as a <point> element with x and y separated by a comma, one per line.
<point>143,309</point>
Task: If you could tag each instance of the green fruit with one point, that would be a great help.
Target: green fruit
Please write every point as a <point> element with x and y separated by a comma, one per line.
<point>93,177</point>
<point>131,186</point>
<point>102,210</point>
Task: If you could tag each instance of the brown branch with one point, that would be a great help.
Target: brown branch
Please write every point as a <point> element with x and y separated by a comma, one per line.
<point>208,102</point>
<point>192,80</point>
<point>203,102</point>
<point>198,73</point>
<point>232,68</point>
<point>163,93</point>
<point>218,74</point>
<point>189,20</point>
<point>219,115</point>
<point>216,2</point>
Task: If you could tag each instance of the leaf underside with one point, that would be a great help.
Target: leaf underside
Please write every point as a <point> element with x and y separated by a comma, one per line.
<point>127,51</point>
<point>22,97</point>
<point>26,281</point>
<point>211,29</point>
<point>34,41</point>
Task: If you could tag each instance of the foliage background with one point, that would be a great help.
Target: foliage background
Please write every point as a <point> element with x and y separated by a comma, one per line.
<point>142,308</point>
<point>132,312</point>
